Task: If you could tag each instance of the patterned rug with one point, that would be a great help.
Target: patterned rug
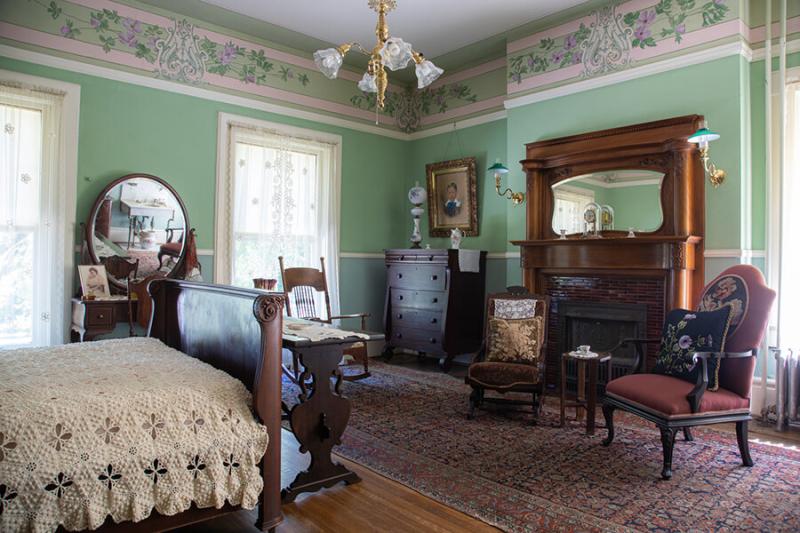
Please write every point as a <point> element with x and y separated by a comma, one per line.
<point>411,426</point>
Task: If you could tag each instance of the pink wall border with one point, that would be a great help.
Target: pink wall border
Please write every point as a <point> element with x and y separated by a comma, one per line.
<point>483,68</point>
<point>464,110</point>
<point>47,40</point>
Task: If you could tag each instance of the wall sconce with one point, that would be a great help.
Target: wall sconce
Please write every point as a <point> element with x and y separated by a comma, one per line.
<point>702,137</point>
<point>499,170</point>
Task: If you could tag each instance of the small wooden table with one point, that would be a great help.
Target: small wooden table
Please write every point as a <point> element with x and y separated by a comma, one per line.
<point>320,418</point>
<point>584,399</point>
<point>91,318</point>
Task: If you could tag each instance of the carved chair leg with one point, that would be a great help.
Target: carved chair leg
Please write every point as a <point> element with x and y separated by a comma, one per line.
<point>687,434</point>
<point>608,414</point>
<point>744,445</point>
<point>668,443</point>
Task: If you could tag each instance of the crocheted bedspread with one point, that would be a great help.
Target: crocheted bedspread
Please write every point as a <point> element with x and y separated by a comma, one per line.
<point>121,427</point>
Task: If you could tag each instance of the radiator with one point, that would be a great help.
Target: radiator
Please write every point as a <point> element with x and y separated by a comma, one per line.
<point>787,389</point>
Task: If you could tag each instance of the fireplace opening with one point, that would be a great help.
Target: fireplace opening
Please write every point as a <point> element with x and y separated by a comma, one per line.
<point>601,326</point>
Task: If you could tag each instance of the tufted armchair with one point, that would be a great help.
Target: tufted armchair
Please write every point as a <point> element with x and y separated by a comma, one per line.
<point>674,404</point>
<point>495,368</point>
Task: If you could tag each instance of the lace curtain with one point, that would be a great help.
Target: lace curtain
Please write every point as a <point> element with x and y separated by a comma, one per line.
<point>32,218</point>
<point>789,314</point>
<point>568,209</point>
<point>284,203</point>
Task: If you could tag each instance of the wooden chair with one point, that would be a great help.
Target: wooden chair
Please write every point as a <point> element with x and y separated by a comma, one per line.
<point>674,404</point>
<point>169,248</point>
<point>509,377</point>
<point>300,285</point>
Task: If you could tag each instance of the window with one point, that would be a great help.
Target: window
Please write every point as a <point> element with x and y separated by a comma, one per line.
<point>282,194</point>
<point>37,182</point>
<point>569,205</point>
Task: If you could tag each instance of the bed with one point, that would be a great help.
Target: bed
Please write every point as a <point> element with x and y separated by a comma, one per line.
<point>133,435</point>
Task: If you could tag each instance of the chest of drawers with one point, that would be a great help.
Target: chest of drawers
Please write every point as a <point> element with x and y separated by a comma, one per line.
<point>432,307</point>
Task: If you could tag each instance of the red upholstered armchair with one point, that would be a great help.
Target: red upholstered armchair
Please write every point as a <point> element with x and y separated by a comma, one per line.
<point>675,404</point>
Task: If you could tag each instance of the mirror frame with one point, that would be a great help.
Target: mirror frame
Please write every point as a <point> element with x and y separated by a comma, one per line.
<point>89,226</point>
<point>651,165</point>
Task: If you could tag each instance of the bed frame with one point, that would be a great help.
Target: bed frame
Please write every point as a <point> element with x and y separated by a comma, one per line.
<point>237,331</point>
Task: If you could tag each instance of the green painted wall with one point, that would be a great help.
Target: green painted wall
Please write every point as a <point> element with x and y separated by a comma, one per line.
<point>126,128</point>
<point>486,143</point>
<point>644,99</point>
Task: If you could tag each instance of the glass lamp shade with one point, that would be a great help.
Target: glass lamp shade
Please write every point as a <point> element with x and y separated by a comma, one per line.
<point>703,136</point>
<point>427,73</point>
<point>498,168</point>
<point>328,62</point>
<point>396,53</point>
<point>367,83</point>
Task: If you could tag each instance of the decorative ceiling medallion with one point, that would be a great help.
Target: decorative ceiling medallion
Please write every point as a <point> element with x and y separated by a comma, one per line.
<point>608,48</point>
<point>179,56</point>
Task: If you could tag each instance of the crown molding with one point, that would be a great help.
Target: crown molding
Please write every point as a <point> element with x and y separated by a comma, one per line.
<point>458,124</point>
<point>90,69</point>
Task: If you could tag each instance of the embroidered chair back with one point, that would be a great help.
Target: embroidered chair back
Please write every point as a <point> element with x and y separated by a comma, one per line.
<point>516,304</point>
<point>301,286</point>
<point>742,287</point>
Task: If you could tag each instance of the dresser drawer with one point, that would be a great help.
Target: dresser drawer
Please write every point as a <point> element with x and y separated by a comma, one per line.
<point>422,277</point>
<point>417,339</point>
<point>99,315</point>
<point>432,300</point>
<point>416,318</point>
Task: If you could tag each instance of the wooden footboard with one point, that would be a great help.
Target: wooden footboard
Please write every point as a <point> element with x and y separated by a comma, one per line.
<point>238,331</point>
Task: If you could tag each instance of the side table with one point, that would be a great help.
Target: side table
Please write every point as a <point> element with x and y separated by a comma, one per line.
<point>586,397</point>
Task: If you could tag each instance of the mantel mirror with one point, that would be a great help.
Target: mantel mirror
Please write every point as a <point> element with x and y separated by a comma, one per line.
<point>138,217</point>
<point>610,200</point>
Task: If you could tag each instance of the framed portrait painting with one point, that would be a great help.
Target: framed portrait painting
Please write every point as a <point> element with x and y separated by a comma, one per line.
<point>452,197</point>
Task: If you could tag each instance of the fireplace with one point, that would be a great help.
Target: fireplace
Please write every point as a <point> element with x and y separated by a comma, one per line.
<point>600,325</point>
<point>660,269</point>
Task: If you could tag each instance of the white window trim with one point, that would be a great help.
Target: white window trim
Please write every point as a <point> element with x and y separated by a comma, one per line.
<point>68,180</point>
<point>224,199</point>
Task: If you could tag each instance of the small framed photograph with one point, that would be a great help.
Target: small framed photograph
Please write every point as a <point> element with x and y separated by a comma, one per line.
<point>94,281</point>
<point>452,197</point>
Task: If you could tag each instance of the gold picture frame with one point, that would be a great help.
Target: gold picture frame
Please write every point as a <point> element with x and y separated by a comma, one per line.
<point>452,197</point>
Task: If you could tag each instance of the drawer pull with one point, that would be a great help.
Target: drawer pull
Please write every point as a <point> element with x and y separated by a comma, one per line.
<point>434,320</point>
<point>400,276</point>
<point>399,335</point>
<point>434,277</point>
<point>430,258</point>
<point>435,300</point>
<point>433,340</point>
<point>400,297</point>
<point>400,316</point>
<point>100,315</point>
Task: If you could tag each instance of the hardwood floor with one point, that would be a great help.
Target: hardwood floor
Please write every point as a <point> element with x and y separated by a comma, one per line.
<point>374,504</point>
<point>380,504</point>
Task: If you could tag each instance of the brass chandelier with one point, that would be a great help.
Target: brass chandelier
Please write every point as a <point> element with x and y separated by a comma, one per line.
<point>389,52</point>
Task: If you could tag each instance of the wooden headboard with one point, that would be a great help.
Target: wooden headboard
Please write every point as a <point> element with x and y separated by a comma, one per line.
<point>237,331</point>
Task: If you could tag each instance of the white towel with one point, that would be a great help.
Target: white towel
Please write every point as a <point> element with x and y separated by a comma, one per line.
<point>469,260</point>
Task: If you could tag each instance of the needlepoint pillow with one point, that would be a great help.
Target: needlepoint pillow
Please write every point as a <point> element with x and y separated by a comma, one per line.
<point>515,341</point>
<point>686,332</point>
<point>727,290</point>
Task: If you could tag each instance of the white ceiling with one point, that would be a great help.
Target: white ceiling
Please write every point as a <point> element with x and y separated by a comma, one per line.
<point>434,27</point>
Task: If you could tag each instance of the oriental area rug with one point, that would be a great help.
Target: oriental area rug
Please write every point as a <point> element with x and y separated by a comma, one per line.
<point>411,426</point>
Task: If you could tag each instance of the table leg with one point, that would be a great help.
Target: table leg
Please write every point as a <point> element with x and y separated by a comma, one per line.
<point>580,392</point>
<point>592,397</point>
<point>319,421</point>
<point>563,391</point>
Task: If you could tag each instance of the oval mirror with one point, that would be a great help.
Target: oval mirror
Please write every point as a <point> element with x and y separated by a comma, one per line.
<point>627,199</point>
<point>138,217</point>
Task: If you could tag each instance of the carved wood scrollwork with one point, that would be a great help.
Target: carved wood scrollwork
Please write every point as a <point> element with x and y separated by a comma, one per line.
<point>679,256</point>
<point>268,307</point>
<point>560,173</point>
<point>661,161</point>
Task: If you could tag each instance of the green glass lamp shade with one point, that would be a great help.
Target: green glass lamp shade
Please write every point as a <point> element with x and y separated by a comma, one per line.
<point>703,135</point>
<point>498,168</point>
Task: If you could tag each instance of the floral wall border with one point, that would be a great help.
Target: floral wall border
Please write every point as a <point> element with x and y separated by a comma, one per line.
<point>615,37</point>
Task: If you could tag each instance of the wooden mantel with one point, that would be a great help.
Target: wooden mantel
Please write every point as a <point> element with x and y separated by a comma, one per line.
<point>672,253</point>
